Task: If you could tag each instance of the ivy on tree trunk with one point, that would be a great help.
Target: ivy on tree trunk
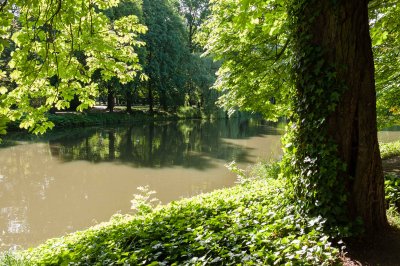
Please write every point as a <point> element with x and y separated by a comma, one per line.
<point>332,151</point>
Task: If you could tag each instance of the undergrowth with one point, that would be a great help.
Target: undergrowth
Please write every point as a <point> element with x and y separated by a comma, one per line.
<point>394,217</point>
<point>389,150</point>
<point>249,224</point>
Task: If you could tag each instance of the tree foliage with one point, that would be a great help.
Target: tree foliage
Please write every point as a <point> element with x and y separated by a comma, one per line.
<point>385,30</point>
<point>166,55</point>
<point>58,47</point>
<point>195,13</point>
<point>251,39</point>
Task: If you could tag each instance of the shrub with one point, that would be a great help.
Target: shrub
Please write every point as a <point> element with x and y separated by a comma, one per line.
<point>188,112</point>
<point>392,190</point>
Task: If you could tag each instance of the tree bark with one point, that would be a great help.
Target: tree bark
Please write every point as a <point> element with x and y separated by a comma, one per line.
<point>150,98</point>
<point>110,100</point>
<point>341,29</point>
<point>129,101</point>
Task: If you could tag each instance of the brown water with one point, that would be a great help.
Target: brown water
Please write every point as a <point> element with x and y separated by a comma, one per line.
<point>77,178</point>
<point>389,135</point>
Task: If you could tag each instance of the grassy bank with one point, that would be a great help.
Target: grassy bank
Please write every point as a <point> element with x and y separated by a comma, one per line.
<point>71,120</point>
<point>102,118</point>
<point>245,224</point>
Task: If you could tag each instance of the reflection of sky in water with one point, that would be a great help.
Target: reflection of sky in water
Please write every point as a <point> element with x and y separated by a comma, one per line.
<point>16,227</point>
<point>74,179</point>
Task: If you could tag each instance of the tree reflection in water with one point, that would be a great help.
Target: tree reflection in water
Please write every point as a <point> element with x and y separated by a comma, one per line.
<point>184,143</point>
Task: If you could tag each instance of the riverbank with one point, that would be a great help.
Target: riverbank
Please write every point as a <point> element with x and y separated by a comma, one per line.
<point>101,117</point>
<point>239,225</point>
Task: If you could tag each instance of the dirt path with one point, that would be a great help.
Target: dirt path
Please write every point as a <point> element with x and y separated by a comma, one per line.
<point>392,165</point>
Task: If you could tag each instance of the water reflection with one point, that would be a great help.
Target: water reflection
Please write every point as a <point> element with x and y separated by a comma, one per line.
<point>73,179</point>
<point>161,145</point>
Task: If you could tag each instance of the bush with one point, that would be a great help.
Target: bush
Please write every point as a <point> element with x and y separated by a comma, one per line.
<point>392,190</point>
<point>188,112</point>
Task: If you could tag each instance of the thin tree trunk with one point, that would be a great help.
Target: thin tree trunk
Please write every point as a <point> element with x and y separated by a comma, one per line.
<point>110,100</point>
<point>150,99</point>
<point>129,101</point>
<point>163,100</point>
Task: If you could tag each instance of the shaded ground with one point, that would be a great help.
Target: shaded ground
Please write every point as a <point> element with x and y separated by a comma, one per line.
<point>384,248</point>
<point>392,165</point>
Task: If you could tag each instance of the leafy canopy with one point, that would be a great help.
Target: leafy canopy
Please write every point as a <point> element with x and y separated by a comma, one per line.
<point>385,31</point>
<point>251,39</point>
<point>58,46</point>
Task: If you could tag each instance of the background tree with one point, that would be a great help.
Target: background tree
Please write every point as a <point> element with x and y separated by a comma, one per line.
<point>195,13</point>
<point>166,55</point>
<point>201,71</point>
<point>385,30</point>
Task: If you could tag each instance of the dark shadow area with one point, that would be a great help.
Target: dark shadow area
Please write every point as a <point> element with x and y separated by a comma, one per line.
<point>381,249</point>
<point>392,165</point>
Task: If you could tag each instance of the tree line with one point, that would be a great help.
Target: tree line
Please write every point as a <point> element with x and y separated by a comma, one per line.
<point>174,72</point>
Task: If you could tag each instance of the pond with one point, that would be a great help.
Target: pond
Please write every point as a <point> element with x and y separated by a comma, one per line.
<point>73,179</point>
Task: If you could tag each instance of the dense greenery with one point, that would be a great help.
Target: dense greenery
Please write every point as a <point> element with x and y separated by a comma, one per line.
<point>57,48</point>
<point>245,224</point>
<point>252,42</point>
<point>385,31</point>
<point>255,76</point>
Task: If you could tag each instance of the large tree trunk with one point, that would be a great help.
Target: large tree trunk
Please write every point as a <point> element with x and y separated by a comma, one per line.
<point>341,30</point>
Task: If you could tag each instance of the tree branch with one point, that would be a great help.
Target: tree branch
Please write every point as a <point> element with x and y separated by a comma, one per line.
<point>2,5</point>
